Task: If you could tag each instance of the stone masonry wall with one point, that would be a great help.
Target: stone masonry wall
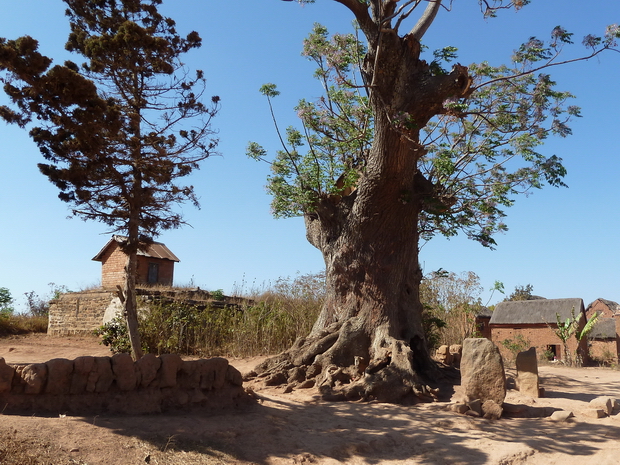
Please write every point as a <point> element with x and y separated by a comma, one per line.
<point>78,313</point>
<point>117,384</point>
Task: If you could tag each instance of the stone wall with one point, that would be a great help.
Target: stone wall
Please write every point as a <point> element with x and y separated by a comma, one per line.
<point>117,384</point>
<point>79,313</point>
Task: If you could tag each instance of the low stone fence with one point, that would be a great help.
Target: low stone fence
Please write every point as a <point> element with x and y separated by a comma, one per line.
<point>117,384</point>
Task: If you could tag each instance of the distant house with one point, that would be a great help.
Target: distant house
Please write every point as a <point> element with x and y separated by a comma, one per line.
<point>603,341</point>
<point>155,264</point>
<point>607,308</point>
<point>534,322</point>
<point>604,344</point>
<point>482,319</point>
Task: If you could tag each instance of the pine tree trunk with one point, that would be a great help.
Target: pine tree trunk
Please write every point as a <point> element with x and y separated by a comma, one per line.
<point>131,306</point>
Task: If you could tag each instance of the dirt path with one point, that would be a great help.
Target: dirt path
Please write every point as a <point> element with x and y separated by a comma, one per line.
<point>297,428</point>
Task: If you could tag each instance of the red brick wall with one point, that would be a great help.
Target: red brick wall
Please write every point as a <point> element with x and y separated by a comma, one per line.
<point>113,264</point>
<point>113,268</point>
<point>166,270</point>
<point>538,336</point>
<point>605,351</point>
<point>598,306</point>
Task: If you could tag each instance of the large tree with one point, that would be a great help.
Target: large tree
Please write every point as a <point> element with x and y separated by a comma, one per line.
<point>396,150</point>
<point>119,130</point>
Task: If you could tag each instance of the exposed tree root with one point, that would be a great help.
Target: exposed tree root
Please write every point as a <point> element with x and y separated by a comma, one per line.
<point>338,363</point>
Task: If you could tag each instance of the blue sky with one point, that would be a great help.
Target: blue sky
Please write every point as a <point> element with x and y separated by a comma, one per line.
<point>562,241</point>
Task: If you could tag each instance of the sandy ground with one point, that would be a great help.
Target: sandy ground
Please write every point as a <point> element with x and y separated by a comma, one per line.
<point>297,428</point>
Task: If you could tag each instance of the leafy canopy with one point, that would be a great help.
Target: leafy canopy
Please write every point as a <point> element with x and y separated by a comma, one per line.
<point>480,151</point>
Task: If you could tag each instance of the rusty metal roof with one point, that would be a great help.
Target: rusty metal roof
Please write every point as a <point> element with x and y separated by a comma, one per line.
<point>153,250</point>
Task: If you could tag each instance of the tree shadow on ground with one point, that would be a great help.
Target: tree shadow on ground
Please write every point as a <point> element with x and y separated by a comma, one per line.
<point>289,430</point>
<point>565,387</point>
<point>365,433</point>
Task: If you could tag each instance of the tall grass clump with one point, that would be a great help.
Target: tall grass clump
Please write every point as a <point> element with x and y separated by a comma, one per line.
<point>257,323</point>
<point>13,324</point>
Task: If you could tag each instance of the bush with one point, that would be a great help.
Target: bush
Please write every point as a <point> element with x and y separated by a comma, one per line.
<point>114,335</point>
<point>266,324</point>
<point>516,345</point>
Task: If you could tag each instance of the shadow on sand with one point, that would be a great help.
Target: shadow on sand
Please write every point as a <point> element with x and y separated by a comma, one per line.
<point>362,433</point>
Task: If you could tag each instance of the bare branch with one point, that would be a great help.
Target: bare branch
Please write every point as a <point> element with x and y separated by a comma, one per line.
<point>426,19</point>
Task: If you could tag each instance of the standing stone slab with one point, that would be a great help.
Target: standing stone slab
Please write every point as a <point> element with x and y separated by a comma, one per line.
<point>527,373</point>
<point>482,371</point>
<point>443,354</point>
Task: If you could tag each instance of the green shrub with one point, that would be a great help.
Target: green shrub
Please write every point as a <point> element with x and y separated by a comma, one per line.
<point>516,345</point>
<point>114,335</point>
<point>267,323</point>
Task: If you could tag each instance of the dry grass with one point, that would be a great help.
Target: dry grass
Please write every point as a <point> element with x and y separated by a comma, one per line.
<point>16,450</point>
<point>22,324</point>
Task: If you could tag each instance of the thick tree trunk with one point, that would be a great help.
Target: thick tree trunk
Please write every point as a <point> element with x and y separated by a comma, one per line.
<point>369,342</point>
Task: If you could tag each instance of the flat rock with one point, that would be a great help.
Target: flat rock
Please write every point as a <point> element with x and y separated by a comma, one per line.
<point>604,403</point>
<point>561,415</point>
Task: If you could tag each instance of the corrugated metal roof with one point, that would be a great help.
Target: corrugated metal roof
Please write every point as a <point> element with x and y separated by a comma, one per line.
<point>154,250</point>
<point>532,312</point>
<point>158,250</point>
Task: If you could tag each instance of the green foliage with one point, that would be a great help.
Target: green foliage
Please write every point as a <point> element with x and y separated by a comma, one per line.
<point>6,309</point>
<point>569,327</point>
<point>480,151</point>
<point>266,324</point>
<point>218,294</point>
<point>327,156</point>
<point>114,335</point>
<point>521,293</point>
<point>565,329</point>
<point>516,345</point>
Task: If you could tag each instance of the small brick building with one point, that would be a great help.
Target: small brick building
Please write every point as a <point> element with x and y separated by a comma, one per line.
<point>155,264</point>
<point>535,321</point>
<point>606,308</point>
<point>604,343</point>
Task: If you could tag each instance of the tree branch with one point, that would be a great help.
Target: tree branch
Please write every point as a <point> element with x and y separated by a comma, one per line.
<point>360,10</point>
<point>426,19</point>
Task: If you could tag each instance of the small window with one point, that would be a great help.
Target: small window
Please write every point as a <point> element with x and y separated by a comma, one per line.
<point>153,275</point>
